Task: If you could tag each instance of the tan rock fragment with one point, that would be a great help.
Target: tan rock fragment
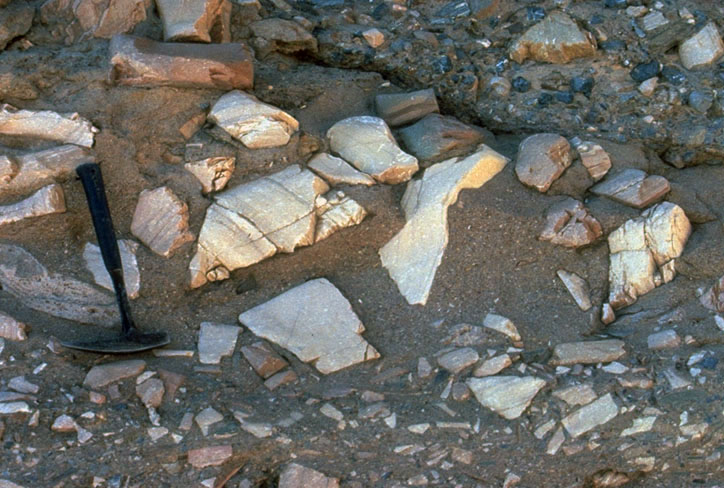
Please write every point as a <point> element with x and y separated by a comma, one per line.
<point>414,254</point>
<point>336,211</point>
<point>589,352</point>
<point>569,224</point>
<point>284,36</point>
<point>209,456</point>
<point>633,187</point>
<point>492,366</point>
<point>151,392</point>
<point>46,124</point>
<point>161,221</point>
<point>703,48</point>
<point>298,476</point>
<point>254,123</point>
<point>577,287</point>
<point>556,39</point>
<point>31,171</point>
<point>11,329</point>
<point>508,396</point>
<point>576,394</point>
<point>542,158</point>
<point>337,171</point>
<point>81,19</point>
<point>594,158</point>
<point>263,359</point>
<point>503,325</point>
<point>131,275</point>
<point>374,37</point>
<point>193,20</point>
<point>591,416</point>
<point>212,173</point>
<point>46,201</point>
<point>104,374</point>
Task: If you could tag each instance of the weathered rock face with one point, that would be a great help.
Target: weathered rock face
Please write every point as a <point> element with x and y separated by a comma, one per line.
<point>589,352</point>
<point>643,252</point>
<point>131,276</point>
<point>15,20</point>
<point>142,62</point>
<point>26,279</point>
<point>71,21</point>
<point>508,396</point>
<point>555,39</point>
<point>713,299</point>
<point>195,20</point>
<point>316,323</point>
<point>253,221</point>
<point>31,171</point>
<point>367,143</point>
<point>403,108</point>
<point>284,36</point>
<point>413,255</point>
<point>46,201</point>
<point>337,171</point>
<point>161,221</point>
<point>436,137</point>
<point>569,224</point>
<point>254,123</point>
<point>46,124</point>
<point>633,187</point>
<point>542,158</point>
<point>702,49</point>
<point>212,173</point>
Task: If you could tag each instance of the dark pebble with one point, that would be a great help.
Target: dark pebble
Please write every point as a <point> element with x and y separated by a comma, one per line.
<point>520,84</point>
<point>582,84</point>
<point>245,284</point>
<point>534,14</point>
<point>564,96</point>
<point>644,71</point>
<point>545,99</point>
<point>442,65</point>
<point>596,19</point>
<point>615,3</point>
<point>613,45</point>
<point>709,362</point>
<point>701,100</point>
<point>673,75</point>
<point>501,65</point>
<point>381,11</point>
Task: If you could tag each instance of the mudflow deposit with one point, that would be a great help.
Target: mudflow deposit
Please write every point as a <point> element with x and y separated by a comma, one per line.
<point>468,243</point>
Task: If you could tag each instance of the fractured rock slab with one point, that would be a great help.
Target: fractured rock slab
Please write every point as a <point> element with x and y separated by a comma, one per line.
<point>335,211</point>
<point>414,254</point>
<point>216,341</point>
<point>367,144</point>
<point>403,108</point>
<point>438,137</point>
<point>577,287</point>
<point>643,252</point>
<point>542,158</point>
<point>590,352</point>
<point>507,396</point>
<point>131,276</point>
<point>161,221</point>
<point>46,201</point>
<point>569,224</point>
<point>254,123</point>
<point>591,416</point>
<point>104,374</point>
<point>713,299</point>
<point>47,125</point>
<point>556,39</point>
<point>316,323</point>
<point>11,329</point>
<point>194,20</point>
<point>31,171</point>
<point>297,476</point>
<point>337,171</point>
<point>634,188</point>
<point>212,173</point>
<point>26,279</point>
<point>142,62</point>
<point>703,48</point>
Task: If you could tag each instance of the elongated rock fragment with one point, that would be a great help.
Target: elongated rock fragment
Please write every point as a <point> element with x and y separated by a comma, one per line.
<point>46,124</point>
<point>142,62</point>
<point>37,169</point>
<point>577,287</point>
<point>508,396</point>
<point>131,275</point>
<point>633,187</point>
<point>316,323</point>
<point>591,416</point>
<point>503,325</point>
<point>212,173</point>
<point>589,352</point>
<point>193,20</point>
<point>414,254</point>
<point>104,374</point>
<point>46,201</point>
<point>337,171</point>
<point>11,329</point>
<point>402,108</point>
<point>161,221</point>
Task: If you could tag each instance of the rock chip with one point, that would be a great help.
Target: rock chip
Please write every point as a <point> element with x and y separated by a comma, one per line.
<point>542,158</point>
<point>713,299</point>
<point>104,374</point>
<point>254,123</point>
<point>264,361</point>
<point>457,360</point>
<point>206,418</point>
<point>280,379</point>
<point>591,416</point>
<point>569,224</point>
<point>151,392</point>
<point>21,385</point>
<point>297,476</point>
<point>15,20</point>
<point>284,36</point>
<point>503,325</point>
<point>703,48</point>
<point>556,39</point>
<point>403,108</point>
<point>46,124</point>
<point>337,171</point>
<point>374,37</point>
<point>11,408</point>
<point>642,424</point>
<point>31,171</point>
<point>663,340</point>
<point>216,341</point>
<point>507,396</point>
<point>576,395</point>
<point>131,275</point>
<point>367,143</point>
<point>138,61</point>
<point>437,137</point>
<point>577,287</point>
<point>161,221</point>
<point>64,423</point>
<point>212,173</point>
<point>195,20</point>
<point>492,366</point>
<point>11,329</point>
<point>46,201</point>
<point>594,158</point>
<point>653,20</point>
<point>414,254</point>
<point>633,187</point>
<point>9,484</point>
<point>209,456</point>
<point>316,323</point>
<point>590,352</point>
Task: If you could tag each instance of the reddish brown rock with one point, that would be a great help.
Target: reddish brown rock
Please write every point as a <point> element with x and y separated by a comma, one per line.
<point>264,361</point>
<point>569,224</point>
<point>209,456</point>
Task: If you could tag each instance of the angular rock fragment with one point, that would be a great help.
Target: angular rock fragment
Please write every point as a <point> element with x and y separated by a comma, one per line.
<point>713,299</point>
<point>11,408</point>
<point>576,395</point>
<point>633,187</point>
<point>64,423</point>
<point>15,20</point>
<point>84,18</point>
<point>663,340</point>
<point>26,279</point>
<point>642,424</point>
<point>335,211</point>
<point>559,437</point>
<point>254,123</point>
<point>284,36</point>
<point>195,20</point>
<point>367,144</point>
<point>437,137</point>
<point>212,173</point>
<point>209,456</point>
<point>374,37</point>
<point>703,48</point>
<point>32,171</point>
<point>11,329</point>
<point>556,39</point>
<point>280,379</point>
<point>492,366</point>
<point>161,221</point>
<point>131,275</point>
<point>653,21</point>
<point>591,416</point>
<point>46,201</point>
<point>589,352</point>
<point>569,224</point>
<point>594,158</point>
<point>142,62</point>
<point>507,396</point>
<point>316,323</point>
<point>47,125</point>
<point>337,171</point>
<point>503,325</point>
<point>414,254</point>
<point>264,361</point>
<point>104,374</point>
<point>402,108</point>
<point>542,158</point>
<point>457,360</point>
<point>297,476</point>
<point>206,418</point>
<point>216,341</point>
<point>577,287</point>
<point>21,385</point>
<point>151,392</point>
<point>643,251</point>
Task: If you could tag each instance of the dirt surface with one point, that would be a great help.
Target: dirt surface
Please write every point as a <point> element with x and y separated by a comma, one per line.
<point>494,262</point>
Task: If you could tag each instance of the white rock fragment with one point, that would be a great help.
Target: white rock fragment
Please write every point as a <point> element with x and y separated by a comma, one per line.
<point>577,287</point>
<point>675,380</point>
<point>663,340</point>
<point>556,442</point>
<point>492,366</point>
<point>615,367</point>
<point>642,424</point>
<point>633,187</point>
<point>702,49</point>
<point>576,395</point>
<point>503,325</point>
<point>256,124</point>
<point>316,323</point>
<point>155,433</point>
<point>591,416</point>
<point>216,341</point>
<point>212,173</point>
<point>570,224</point>
<point>328,410</point>
<point>46,201</point>
<point>22,385</point>
<point>458,359</point>
<point>588,352</point>
<point>648,87</point>
<point>542,158</point>
<point>64,423</point>
<point>418,428</point>
<point>37,169</point>
<point>259,430</point>
<point>11,408</point>
<point>48,125</point>
<point>719,321</point>
<point>414,254</point>
<point>161,221</point>
<point>607,314</point>
<point>131,275</point>
<point>337,171</point>
<point>11,329</point>
<point>335,211</point>
<point>368,145</point>
<point>192,20</point>
<point>653,20</point>
<point>507,396</point>
<point>206,418</point>
<point>542,430</point>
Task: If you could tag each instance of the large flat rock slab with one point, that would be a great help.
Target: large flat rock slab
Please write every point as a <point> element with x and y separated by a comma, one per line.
<point>508,396</point>
<point>316,323</point>
<point>47,125</point>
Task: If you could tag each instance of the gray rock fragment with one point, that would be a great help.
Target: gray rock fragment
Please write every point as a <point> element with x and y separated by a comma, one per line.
<point>492,366</point>
<point>206,418</point>
<point>280,379</point>
<point>577,287</point>
<point>31,171</point>
<point>131,275</point>
<point>653,20</point>
<point>337,171</point>
<point>11,329</point>
<point>576,395</point>
<point>403,108</point>
<point>161,221</point>
<point>663,340</point>
<point>151,392</point>
<point>675,380</point>
<point>703,48</point>
<point>634,188</point>
<point>569,224</point>
<point>556,442</point>
<point>48,125</point>
<point>104,374</point>
<point>591,416</point>
<point>281,35</point>
<point>457,360</point>
<point>194,20</point>
<point>297,476</point>
<point>11,408</point>
<point>212,173</point>
<point>555,39</point>
<point>590,352</point>
<point>21,385</point>
<point>542,158</point>
<point>46,201</point>
<point>642,424</point>
<point>437,137</point>
<point>216,341</point>
<point>209,456</point>
<point>503,325</point>
<point>507,396</point>
<point>15,20</point>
